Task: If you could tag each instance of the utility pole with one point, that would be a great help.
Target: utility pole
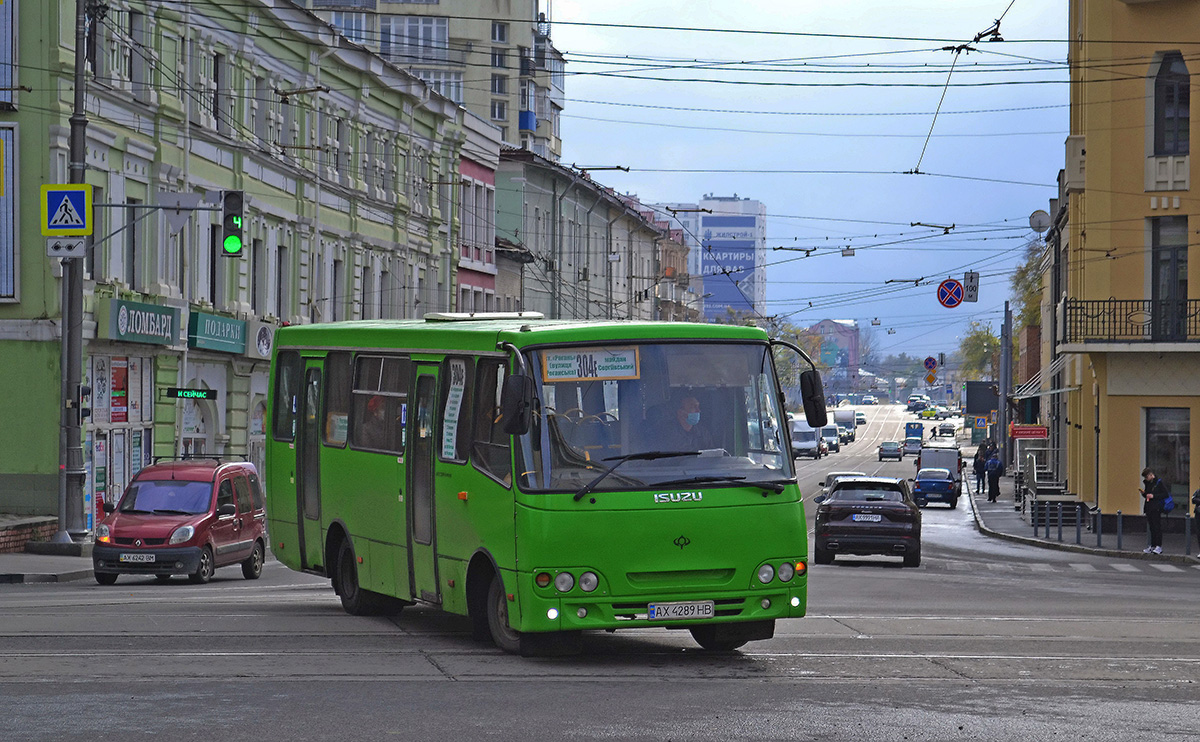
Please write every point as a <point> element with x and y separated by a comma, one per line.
<point>1005,383</point>
<point>70,455</point>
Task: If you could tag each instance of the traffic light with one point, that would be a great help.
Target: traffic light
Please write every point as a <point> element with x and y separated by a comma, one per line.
<point>232,208</point>
<point>83,402</point>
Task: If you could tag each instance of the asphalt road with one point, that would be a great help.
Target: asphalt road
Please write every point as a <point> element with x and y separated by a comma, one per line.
<point>987,640</point>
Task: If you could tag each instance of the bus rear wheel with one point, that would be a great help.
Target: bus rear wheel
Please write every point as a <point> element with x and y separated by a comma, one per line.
<point>355,600</point>
<point>505,637</point>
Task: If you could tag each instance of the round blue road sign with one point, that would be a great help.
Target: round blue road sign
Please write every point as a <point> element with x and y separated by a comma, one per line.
<point>930,363</point>
<point>950,293</point>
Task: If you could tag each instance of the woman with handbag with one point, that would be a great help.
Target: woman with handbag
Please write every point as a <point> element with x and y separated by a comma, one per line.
<point>1155,495</point>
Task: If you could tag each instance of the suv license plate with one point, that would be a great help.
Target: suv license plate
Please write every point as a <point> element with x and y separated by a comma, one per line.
<point>675,611</point>
<point>136,558</point>
<point>867,517</point>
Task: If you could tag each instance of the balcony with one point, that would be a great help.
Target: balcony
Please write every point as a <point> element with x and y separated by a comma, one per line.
<point>1124,321</point>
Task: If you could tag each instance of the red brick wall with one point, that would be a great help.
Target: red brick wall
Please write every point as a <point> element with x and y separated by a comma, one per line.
<point>13,538</point>
<point>1029,347</point>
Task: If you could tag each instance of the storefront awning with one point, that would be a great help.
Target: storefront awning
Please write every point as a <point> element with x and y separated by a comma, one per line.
<point>1032,388</point>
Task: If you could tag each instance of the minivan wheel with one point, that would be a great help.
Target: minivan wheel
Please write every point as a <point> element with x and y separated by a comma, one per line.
<point>105,578</point>
<point>204,572</point>
<point>252,567</point>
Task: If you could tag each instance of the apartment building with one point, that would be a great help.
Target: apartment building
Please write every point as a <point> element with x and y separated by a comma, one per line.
<point>492,56</point>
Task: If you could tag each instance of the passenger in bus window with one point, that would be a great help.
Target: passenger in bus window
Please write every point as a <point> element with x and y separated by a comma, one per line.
<point>375,427</point>
<point>685,431</point>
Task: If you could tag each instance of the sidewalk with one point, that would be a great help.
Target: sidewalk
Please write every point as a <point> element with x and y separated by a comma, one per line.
<point>19,567</point>
<point>1002,519</point>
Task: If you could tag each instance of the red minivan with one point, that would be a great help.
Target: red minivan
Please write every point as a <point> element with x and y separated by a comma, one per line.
<point>184,517</point>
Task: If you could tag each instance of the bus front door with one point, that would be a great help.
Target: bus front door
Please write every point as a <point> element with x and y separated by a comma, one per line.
<point>422,542</point>
<point>308,466</point>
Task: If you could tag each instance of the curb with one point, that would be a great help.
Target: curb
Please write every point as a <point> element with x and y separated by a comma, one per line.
<point>1077,548</point>
<point>27,579</point>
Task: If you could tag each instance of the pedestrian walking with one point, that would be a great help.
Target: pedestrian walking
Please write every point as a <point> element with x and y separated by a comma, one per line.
<point>1155,493</point>
<point>980,469</point>
<point>1196,519</point>
<point>993,468</point>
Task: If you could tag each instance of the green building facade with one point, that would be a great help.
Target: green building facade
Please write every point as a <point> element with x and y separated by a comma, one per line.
<point>349,168</point>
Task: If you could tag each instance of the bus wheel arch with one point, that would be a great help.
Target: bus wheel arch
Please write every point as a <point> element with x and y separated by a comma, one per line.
<point>481,572</point>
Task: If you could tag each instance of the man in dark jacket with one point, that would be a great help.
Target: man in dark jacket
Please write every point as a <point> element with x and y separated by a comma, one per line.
<point>980,470</point>
<point>993,467</point>
<point>1155,494</point>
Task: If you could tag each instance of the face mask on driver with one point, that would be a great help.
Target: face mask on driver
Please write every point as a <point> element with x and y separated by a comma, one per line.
<point>693,418</point>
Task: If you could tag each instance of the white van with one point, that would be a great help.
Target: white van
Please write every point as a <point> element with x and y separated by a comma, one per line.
<point>944,456</point>
<point>806,440</point>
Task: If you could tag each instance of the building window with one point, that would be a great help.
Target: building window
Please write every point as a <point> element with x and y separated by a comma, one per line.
<point>414,39</point>
<point>282,283</point>
<point>353,25</point>
<point>449,84</point>
<point>499,85</point>
<point>499,57</point>
<point>1168,440</point>
<point>499,33</point>
<point>258,277</point>
<point>1169,284</point>
<point>1172,103</point>
<point>499,110</point>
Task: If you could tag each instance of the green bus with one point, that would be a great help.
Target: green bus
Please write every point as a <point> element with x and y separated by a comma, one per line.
<point>542,477</point>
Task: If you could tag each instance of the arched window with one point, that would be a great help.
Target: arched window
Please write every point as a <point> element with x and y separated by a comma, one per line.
<point>1172,103</point>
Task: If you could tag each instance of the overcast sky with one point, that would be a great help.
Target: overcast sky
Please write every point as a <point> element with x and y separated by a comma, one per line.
<point>835,113</point>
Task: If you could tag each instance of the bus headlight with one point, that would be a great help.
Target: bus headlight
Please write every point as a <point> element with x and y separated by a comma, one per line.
<point>786,571</point>
<point>766,573</point>
<point>588,581</point>
<point>564,581</point>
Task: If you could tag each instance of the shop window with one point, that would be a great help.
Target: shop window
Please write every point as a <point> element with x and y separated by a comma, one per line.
<point>1168,441</point>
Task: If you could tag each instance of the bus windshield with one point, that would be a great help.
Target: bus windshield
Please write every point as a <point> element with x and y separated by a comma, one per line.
<point>716,402</point>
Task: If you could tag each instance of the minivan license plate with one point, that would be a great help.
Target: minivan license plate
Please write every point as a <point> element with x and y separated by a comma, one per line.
<point>675,611</point>
<point>136,558</point>
<point>867,517</point>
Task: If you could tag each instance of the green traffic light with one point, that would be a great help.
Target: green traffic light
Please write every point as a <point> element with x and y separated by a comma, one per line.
<point>233,244</point>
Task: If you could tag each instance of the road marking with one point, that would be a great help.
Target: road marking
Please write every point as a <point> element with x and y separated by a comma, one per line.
<point>1000,567</point>
<point>1166,567</point>
<point>1083,567</point>
<point>1042,568</point>
<point>959,567</point>
<point>1125,568</point>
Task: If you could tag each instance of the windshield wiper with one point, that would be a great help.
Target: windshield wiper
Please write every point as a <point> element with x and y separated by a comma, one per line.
<point>135,510</point>
<point>173,512</point>
<point>643,456</point>
<point>701,479</point>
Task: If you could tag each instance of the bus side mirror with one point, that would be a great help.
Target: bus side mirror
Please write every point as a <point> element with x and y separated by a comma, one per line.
<point>813,395</point>
<point>516,404</point>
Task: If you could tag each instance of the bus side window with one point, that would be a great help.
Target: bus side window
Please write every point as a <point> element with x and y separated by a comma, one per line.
<point>337,399</point>
<point>379,402</point>
<point>287,391</point>
<point>457,382</point>
<point>491,444</point>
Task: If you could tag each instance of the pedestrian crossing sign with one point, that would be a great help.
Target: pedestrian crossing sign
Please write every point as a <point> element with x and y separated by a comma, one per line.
<point>66,210</point>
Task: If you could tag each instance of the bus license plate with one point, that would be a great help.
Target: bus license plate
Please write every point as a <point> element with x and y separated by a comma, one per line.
<point>675,611</point>
<point>136,558</point>
<point>867,517</point>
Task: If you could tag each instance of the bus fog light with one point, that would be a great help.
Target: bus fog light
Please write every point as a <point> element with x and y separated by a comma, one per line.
<point>588,581</point>
<point>795,602</point>
<point>766,573</point>
<point>582,613</point>
<point>766,603</point>
<point>564,581</point>
<point>552,614</point>
<point>786,571</point>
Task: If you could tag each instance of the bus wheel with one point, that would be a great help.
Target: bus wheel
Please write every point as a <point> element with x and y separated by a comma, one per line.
<point>355,600</point>
<point>505,637</point>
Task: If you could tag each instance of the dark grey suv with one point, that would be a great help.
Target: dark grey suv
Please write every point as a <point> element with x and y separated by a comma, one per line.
<point>868,515</point>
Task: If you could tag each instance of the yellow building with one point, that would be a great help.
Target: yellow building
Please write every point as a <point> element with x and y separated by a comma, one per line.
<point>1121,376</point>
